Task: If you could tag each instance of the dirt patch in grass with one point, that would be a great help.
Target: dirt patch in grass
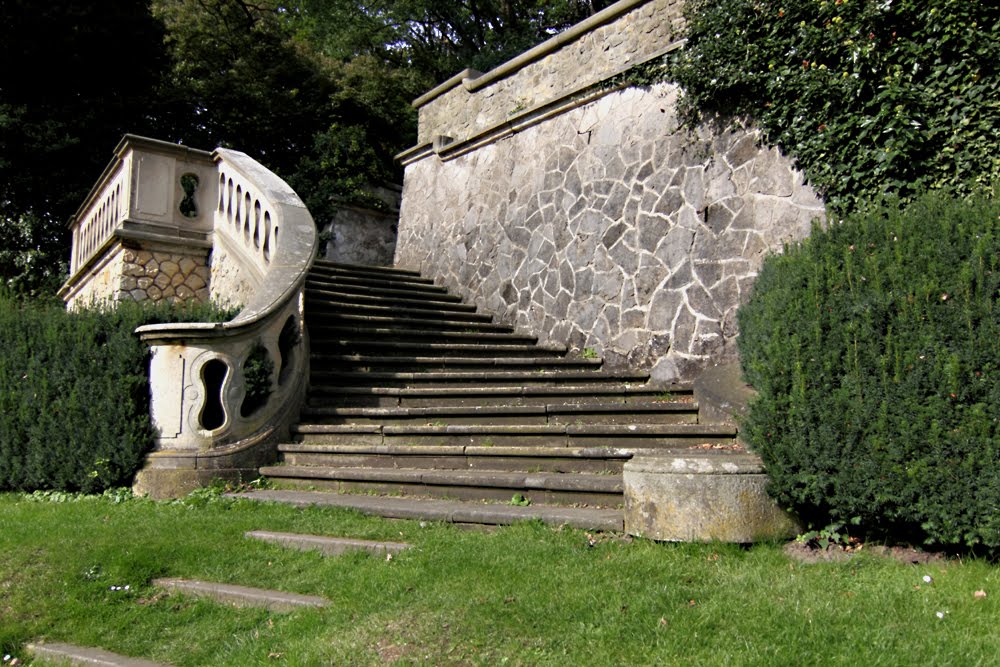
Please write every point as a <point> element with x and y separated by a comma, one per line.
<point>805,552</point>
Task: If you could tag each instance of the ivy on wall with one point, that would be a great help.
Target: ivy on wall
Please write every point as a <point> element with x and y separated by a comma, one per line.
<point>870,97</point>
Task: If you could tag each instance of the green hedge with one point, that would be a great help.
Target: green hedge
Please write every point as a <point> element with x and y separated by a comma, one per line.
<point>869,97</point>
<point>875,349</point>
<point>74,398</point>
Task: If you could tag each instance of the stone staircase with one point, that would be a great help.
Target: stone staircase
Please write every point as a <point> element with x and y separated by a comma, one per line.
<point>415,394</point>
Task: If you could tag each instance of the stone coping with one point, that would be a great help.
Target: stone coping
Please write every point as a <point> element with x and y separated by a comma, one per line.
<point>447,148</point>
<point>135,141</point>
<point>473,80</point>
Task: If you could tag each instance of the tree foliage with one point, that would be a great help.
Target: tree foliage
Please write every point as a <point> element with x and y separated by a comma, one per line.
<point>76,75</point>
<point>869,96</point>
<point>438,39</point>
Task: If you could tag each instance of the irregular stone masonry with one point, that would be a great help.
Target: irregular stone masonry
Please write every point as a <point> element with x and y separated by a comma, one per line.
<point>609,227</point>
<point>131,273</point>
<point>158,276</point>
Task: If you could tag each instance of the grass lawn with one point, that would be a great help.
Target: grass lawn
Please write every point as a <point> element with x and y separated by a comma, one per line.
<point>523,595</point>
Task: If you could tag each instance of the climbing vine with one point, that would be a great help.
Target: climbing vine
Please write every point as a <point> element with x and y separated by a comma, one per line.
<point>870,97</point>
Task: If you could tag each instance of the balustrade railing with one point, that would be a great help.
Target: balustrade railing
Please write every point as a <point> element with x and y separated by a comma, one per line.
<point>221,393</point>
<point>237,382</point>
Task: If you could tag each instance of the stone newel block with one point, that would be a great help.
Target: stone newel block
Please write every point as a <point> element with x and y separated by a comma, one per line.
<point>702,498</point>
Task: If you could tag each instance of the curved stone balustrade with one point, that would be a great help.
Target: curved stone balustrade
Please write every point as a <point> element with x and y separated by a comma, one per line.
<point>222,393</point>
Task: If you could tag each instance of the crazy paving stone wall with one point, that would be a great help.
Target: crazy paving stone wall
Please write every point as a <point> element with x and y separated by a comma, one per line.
<point>145,275</point>
<point>608,226</point>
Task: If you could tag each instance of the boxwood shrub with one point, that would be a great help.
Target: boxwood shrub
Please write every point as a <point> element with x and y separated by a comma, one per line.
<point>875,348</point>
<point>74,397</point>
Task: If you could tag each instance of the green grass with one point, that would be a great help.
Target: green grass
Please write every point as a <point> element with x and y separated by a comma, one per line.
<point>524,595</point>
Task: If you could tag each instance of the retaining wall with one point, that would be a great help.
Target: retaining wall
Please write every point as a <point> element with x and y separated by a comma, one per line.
<point>588,214</point>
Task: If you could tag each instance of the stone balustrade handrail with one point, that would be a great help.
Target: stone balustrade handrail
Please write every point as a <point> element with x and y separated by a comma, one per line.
<point>263,244</point>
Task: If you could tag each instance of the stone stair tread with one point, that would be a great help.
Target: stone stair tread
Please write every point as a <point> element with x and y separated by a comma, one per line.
<point>504,390</point>
<point>364,268</point>
<point>415,323</point>
<point>450,511</point>
<point>458,361</point>
<point>478,478</point>
<point>62,653</point>
<point>317,297</point>
<point>395,312</point>
<point>481,349</point>
<point>714,430</point>
<point>317,329</point>
<point>358,271</point>
<point>461,450</point>
<point>422,286</point>
<point>329,546</point>
<point>357,288</point>
<point>500,409</point>
<point>242,596</point>
<point>486,376</point>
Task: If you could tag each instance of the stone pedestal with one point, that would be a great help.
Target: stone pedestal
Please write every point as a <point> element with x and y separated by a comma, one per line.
<point>702,497</point>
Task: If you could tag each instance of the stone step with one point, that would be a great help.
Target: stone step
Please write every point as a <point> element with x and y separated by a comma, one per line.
<point>358,289</point>
<point>338,308</point>
<point>593,460</point>
<point>406,323</point>
<point>328,546</point>
<point>242,596</point>
<point>391,348</point>
<point>450,511</point>
<point>326,271</point>
<point>650,412</point>
<point>624,436</point>
<point>415,364</point>
<point>501,479</point>
<point>363,269</point>
<point>322,378</point>
<point>412,289</point>
<point>59,653</point>
<point>491,395</point>
<point>320,334</point>
<point>328,298</point>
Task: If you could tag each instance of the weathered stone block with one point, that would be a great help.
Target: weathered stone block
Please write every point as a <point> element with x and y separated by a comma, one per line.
<point>702,498</point>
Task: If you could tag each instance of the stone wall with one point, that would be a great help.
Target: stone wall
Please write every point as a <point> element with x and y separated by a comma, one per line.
<point>625,34</point>
<point>144,274</point>
<point>230,285</point>
<point>359,235</point>
<point>607,225</point>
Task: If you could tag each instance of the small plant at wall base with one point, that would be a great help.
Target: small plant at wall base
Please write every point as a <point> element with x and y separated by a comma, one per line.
<point>868,97</point>
<point>874,347</point>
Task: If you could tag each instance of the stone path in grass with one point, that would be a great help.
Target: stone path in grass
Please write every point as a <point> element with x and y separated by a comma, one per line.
<point>240,596</point>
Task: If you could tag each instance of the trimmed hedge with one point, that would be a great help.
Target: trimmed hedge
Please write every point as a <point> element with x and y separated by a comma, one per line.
<point>74,397</point>
<point>875,348</point>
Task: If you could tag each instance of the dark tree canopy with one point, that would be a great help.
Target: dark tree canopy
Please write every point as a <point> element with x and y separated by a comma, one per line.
<point>317,90</point>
